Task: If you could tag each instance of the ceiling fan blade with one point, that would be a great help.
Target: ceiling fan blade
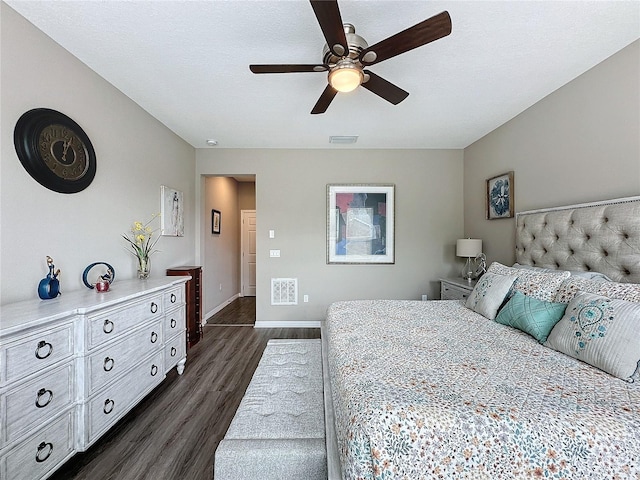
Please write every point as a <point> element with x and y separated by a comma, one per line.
<point>424,32</point>
<point>325,100</point>
<point>328,15</point>
<point>385,89</point>
<point>288,68</point>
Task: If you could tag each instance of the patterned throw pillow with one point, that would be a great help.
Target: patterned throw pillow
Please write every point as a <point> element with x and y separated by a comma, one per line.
<point>489,293</point>
<point>602,332</point>
<point>532,316</point>
<point>619,291</point>
<point>540,285</point>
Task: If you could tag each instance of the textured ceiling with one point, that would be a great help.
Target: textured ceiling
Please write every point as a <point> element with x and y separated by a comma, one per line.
<point>186,63</point>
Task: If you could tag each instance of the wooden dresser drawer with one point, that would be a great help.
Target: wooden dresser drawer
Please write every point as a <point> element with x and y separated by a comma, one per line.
<point>110,362</point>
<point>109,324</point>
<point>175,323</point>
<point>105,408</point>
<point>173,298</point>
<point>35,352</point>
<point>32,403</point>
<point>174,351</point>
<point>42,451</point>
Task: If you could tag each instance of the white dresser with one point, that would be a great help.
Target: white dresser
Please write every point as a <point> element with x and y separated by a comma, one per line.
<point>71,367</point>
<point>456,288</point>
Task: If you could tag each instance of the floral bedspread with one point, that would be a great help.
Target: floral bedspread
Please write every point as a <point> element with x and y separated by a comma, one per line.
<point>426,390</point>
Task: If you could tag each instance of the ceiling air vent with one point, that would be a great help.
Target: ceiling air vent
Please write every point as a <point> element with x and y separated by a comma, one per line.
<point>284,291</point>
<point>343,139</point>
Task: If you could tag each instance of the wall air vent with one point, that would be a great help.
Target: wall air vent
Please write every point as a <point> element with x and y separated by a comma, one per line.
<point>284,291</point>
<point>343,139</point>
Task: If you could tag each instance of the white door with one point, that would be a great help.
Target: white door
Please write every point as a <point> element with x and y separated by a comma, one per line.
<point>248,247</point>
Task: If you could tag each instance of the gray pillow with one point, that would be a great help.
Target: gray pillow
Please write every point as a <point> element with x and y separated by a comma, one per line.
<point>489,294</point>
<point>602,332</point>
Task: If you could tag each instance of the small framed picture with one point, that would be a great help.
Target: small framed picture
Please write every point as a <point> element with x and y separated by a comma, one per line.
<point>215,221</point>
<point>500,193</point>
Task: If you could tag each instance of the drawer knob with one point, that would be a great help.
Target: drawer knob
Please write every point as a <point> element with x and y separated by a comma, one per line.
<point>154,337</point>
<point>48,394</point>
<point>154,307</point>
<point>173,351</point>
<point>44,451</point>
<point>108,406</point>
<point>108,326</point>
<point>154,370</point>
<point>173,298</point>
<point>173,323</point>
<point>43,345</point>
<point>108,364</point>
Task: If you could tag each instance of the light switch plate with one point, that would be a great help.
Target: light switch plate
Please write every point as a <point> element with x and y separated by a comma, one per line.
<point>274,253</point>
<point>272,234</point>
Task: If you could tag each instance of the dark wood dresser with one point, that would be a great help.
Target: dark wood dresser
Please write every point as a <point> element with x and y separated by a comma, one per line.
<point>193,300</point>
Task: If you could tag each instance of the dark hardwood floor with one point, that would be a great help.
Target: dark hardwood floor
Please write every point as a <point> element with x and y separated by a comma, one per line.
<point>241,311</point>
<point>173,433</point>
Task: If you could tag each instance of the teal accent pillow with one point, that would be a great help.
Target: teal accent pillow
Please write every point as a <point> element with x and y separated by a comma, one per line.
<point>532,316</point>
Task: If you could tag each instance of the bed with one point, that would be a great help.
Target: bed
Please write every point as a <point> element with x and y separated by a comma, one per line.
<point>421,390</point>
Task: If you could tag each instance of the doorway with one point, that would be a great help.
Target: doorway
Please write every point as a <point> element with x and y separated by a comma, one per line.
<point>228,196</point>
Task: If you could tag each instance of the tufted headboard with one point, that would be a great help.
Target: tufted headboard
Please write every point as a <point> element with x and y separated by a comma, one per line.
<point>600,237</point>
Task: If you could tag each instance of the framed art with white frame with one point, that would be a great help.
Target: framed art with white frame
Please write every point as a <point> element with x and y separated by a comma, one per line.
<point>172,212</point>
<point>360,224</point>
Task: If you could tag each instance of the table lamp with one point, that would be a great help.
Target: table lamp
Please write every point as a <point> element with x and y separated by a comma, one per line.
<point>469,248</point>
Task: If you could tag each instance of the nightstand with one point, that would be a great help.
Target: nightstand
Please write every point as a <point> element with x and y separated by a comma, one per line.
<point>455,288</point>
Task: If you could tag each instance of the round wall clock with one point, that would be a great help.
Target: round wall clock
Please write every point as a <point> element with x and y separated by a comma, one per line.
<point>55,150</point>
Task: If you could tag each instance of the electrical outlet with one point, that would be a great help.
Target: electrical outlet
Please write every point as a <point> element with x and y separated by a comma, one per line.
<point>424,298</point>
<point>220,287</point>
<point>305,299</point>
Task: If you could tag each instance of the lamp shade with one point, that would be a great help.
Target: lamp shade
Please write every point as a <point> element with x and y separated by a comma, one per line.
<point>468,247</point>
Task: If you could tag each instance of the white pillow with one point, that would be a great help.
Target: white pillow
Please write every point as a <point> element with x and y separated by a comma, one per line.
<point>540,285</point>
<point>602,332</point>
<point>489,294</point>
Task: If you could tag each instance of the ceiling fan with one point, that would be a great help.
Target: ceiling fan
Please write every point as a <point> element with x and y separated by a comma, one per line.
<point>346,54</point>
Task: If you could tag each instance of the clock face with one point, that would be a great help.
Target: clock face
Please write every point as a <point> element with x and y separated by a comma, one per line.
<point>63,152</point>
<point>55,150</point>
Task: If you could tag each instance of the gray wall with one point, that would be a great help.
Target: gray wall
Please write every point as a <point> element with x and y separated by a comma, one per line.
<point>579,144</point>
<point>221,275</point>
<point>291,199</point>
<point>136,154</point>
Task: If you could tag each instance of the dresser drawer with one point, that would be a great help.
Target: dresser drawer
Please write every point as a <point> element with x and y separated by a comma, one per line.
<point>453,292</point>
<point>174,351</point>
<point>35,352</point>
<point>173,298</point>
<point>110,362</point>
<point>47,448</point>
<point>107,325</point>
<point>36,401</point>
<point>175,323</point>
<point>105,408</point>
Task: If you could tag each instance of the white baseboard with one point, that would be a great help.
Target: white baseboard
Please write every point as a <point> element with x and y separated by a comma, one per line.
<point>287,324</point>
<point>210,314</point>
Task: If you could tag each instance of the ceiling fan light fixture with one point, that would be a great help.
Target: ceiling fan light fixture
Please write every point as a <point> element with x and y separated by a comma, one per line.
<point>346,77</point>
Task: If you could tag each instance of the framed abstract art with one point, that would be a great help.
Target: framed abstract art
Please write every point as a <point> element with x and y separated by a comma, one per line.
<point>360,223</point>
